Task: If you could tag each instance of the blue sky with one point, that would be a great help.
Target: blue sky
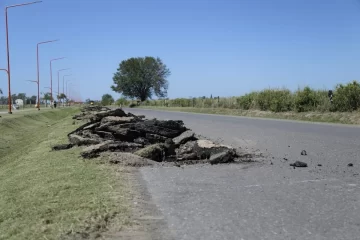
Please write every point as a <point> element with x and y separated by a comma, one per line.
<point>218,47</point>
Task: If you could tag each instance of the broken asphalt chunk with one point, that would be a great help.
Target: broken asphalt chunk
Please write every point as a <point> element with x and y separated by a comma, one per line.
<point>298,164</point>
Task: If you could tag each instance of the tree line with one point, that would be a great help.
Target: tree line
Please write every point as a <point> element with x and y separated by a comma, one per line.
<point>344,98</point>
<point>26,99</point>
<point>142,78</point>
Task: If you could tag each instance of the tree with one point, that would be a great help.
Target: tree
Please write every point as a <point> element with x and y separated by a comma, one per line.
<point>21,96</point>
<point>141,78</point>
<point>47,96</point>
<point>62,97</point>
<point>1,92</point>
<point>31,100</point>
<point>107,99</point>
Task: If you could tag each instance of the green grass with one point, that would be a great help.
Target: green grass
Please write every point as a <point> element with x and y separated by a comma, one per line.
<point>51,195</point>
<point>329,117</point>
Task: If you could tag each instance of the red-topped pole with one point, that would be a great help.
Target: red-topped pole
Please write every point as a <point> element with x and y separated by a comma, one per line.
<point>8,49</point>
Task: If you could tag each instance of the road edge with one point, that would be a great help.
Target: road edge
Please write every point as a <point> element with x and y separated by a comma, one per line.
<point>257,118</point>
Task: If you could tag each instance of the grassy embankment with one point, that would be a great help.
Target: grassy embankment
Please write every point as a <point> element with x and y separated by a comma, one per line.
<point>304,104</point>
<point>52,195</point>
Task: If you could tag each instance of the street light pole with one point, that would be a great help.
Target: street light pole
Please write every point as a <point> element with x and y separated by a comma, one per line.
<point>66,90</point>
<point>38,71</point>
<point>55,59</point>
<point>59,77</point>
<point>59,80</point>
<point>64,80</point>
<point>70,88</point>
<point>8,49</point>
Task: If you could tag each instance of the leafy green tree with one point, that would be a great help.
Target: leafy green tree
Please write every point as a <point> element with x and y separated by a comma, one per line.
<point>47,96</point>
<point>62,97</point>
<point>1,92</point>
<point>21,96</point>
<point>30,100</point>
<point>107,99</point>
<point>141,78</point>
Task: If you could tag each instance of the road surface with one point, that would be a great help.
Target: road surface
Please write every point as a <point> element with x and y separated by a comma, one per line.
<point>268,199</point>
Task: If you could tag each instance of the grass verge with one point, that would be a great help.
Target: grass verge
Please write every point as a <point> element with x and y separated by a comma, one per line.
<point>54,195</point>
<point>329,117</point>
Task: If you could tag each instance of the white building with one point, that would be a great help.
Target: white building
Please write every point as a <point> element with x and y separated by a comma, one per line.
<point>19,102</point>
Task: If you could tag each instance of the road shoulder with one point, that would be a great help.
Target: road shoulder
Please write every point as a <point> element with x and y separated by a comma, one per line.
<point>147,220</point>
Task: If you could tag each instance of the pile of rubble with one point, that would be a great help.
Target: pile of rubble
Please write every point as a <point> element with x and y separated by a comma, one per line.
<point>150,141</point>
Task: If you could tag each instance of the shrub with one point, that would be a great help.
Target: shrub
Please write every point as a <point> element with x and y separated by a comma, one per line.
<point>122,101</point>
<point>347,98</point>
<point>247,101</point>
<point>308,99</point>
<point>132,105</point>
<point>230,102</point>
<point>208,102</point>
<point>324,104</point>
<point>180,102</point>
<point>275,100</point>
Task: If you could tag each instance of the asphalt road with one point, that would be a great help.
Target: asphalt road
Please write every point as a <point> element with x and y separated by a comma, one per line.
<point>268,199</point>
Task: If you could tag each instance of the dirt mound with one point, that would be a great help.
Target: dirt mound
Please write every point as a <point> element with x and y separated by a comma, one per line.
<point>114,131</point>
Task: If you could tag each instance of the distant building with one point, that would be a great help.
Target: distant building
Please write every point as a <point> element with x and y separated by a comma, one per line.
<point>19,102</point>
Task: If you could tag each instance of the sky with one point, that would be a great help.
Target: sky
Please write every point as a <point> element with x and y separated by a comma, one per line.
<point>212,47</point>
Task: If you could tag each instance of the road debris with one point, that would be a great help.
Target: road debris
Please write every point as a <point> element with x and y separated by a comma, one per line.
<point>303,153</point>
<point>298,164</point>
<point>114,131</point>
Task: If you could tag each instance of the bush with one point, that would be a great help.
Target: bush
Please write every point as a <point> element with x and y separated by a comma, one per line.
<point>132,105</point>
<point>230,102</point>
<point>347,98</point>
<point>122,101</point>
<point>180,102</point>
<point>247,101</point>
<point>275,100</point>
<point>324,104</point>
<point>308,99</point>
<point>208,102</point>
